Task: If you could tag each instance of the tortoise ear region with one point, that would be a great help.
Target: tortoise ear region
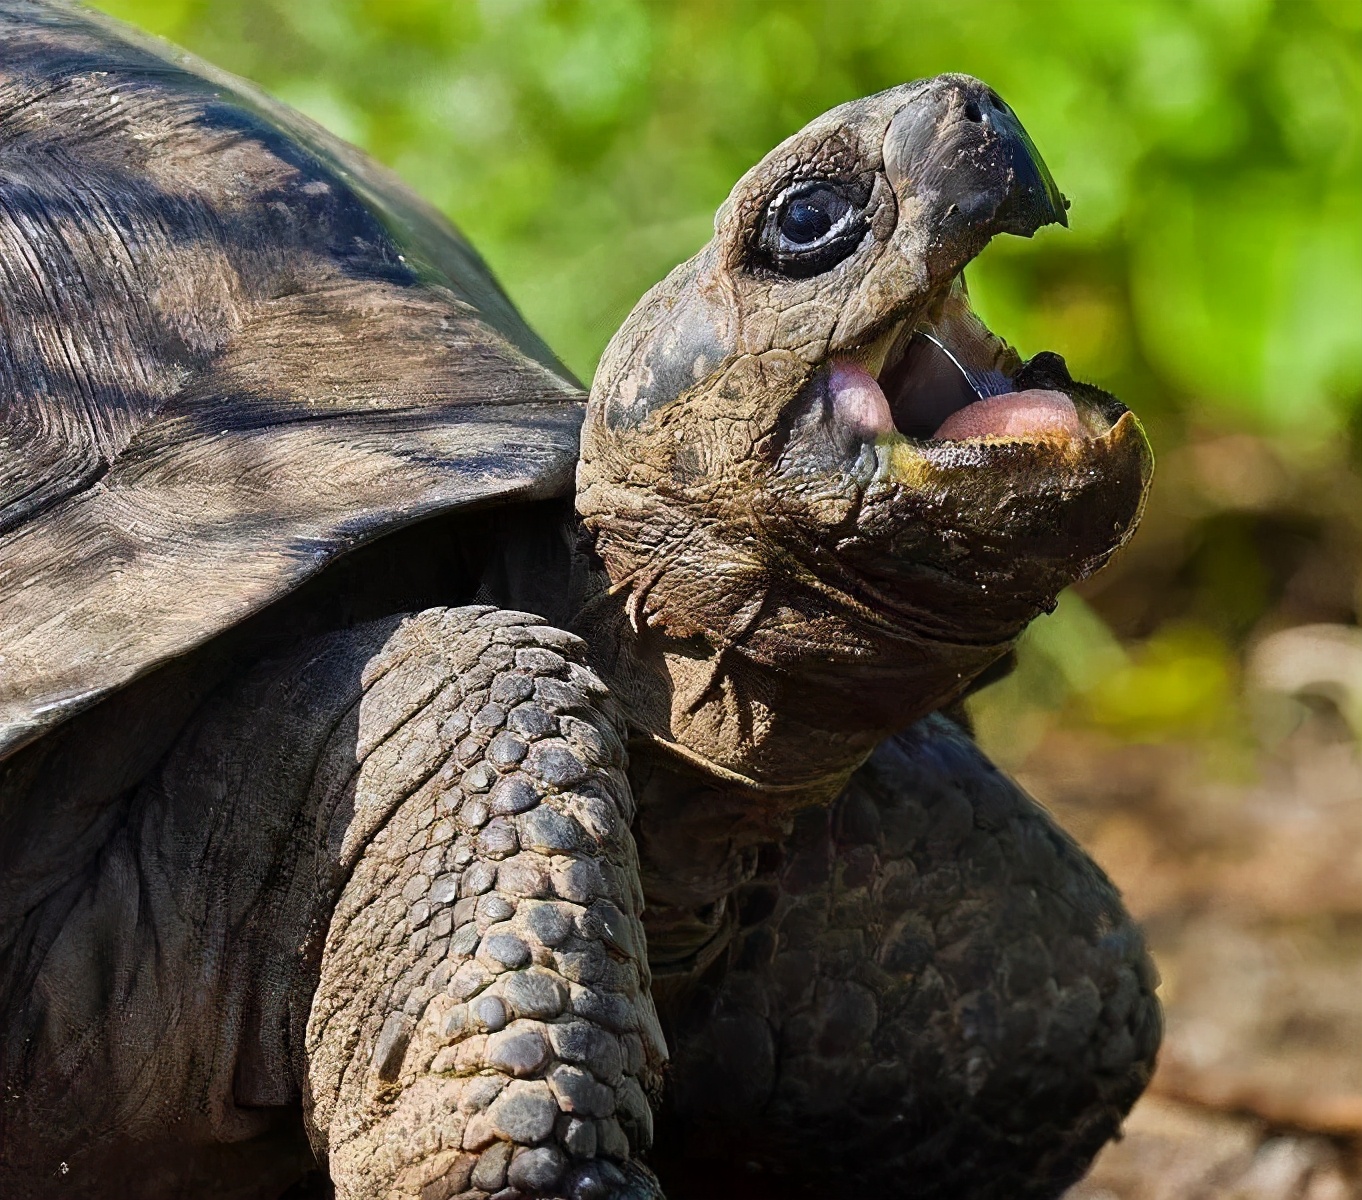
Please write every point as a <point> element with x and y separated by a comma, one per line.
<point>960,150</point>
<point>672,343</point>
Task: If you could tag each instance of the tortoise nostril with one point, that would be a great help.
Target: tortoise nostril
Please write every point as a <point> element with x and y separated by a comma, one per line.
<point>972,112</point>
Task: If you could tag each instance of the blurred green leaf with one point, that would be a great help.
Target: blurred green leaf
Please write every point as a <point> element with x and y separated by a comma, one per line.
<point>1181,685</point>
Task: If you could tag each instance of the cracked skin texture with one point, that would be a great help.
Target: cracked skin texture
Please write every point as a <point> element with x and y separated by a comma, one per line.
<point>378,814</point>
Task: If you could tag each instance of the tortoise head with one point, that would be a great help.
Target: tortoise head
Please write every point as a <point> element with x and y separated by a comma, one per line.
<point>825,496</point>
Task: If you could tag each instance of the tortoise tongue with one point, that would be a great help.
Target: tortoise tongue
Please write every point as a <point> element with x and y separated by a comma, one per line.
<point>1030,414</point>
<point>954,380</point>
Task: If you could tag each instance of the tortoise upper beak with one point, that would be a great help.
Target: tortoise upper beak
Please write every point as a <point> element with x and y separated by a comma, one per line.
<point>961,152</point>
<point>1035,199</point>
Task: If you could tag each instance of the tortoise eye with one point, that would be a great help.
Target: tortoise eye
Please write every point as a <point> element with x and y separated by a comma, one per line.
<point>805,221</point>
<point>810,228</point>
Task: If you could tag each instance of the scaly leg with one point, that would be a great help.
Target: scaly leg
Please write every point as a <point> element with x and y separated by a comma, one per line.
<point>931,992</point>
<point>482,1024</point>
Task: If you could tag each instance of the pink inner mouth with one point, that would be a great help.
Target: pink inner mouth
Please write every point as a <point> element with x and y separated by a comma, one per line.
<point>1030,414</point>
<point>859,403</point>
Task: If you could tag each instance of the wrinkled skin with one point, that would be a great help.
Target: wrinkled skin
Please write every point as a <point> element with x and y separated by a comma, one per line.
<point>795,589</point>
<point>466,904</point>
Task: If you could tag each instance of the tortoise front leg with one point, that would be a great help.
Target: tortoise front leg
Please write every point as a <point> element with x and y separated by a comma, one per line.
<point>482,1025</point>
<point>931,993</point>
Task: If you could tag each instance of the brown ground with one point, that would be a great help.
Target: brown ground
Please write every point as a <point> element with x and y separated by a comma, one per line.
<point>1251,895</point>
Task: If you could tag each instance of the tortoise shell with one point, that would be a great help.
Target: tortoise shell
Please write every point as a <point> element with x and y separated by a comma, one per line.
<point>232,348</point>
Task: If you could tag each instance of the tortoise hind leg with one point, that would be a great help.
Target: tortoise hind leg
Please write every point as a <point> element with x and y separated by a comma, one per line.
<point>936,994</point>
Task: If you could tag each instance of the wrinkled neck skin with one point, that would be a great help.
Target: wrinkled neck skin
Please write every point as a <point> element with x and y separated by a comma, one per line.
<point>794,688</point>
<point>735,735</point>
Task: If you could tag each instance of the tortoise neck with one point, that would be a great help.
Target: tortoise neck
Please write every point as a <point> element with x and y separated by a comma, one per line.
<point>699,840</point>
<point>779,739</point>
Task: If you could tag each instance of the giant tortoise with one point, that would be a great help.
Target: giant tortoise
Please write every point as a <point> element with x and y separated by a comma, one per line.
<point>383,811</point>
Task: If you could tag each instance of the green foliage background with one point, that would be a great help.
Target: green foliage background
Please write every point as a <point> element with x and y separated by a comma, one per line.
<point>1212,149</point>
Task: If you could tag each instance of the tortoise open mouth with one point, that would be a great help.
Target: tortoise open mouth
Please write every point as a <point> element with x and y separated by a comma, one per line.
<point>947,377</point>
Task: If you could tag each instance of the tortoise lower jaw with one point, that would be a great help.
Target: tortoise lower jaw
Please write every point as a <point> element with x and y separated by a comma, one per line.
<point>1003,479</point>
<point>1036,464</point>
<point>936,398</point>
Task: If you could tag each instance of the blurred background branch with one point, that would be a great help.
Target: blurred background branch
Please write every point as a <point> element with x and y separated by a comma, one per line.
<point>1193,713</point>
